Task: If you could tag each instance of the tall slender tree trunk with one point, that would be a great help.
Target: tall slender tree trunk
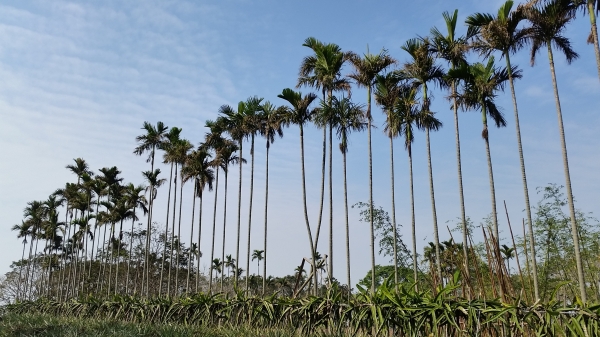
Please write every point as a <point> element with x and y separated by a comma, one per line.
<point>94,239</point>
<point>26,282</point>
<point>118,257</point>
<point>250,209</point>
<point>129,255</point>
<point>239,219</point>
<point>20,272</point>
<point>224,226</point>
<point>348,227</point>
<point>330,202</point>
<point>394,226</point>
<point>45,274</point>
<point>317,235</point>
<point>460,187</point>
<point>146,276</point>
<point>65,274</point>
<point>85,238</point>
<point>436,235</point>
<point>486,138</point>
<point>31,278</point>
<point>149,231</point>
<point>212,250</point>
<point>112,258</point>
<point>412,216</point>
<point>310,239</point>
<point>61,275</point>
<point>43,284</point>
<point>372,242</point>
<point>73,259</point>
<point>75,287</point>
<point>594,28</point>
<point>264,283</point>
<point>563,143</point>
<point>189,266</point>
<point>523,177</point>
<point>179,233</point>
<point>172,233</point>
<point>104,262</point>
<point>164,254</point>
<point>199,242</point>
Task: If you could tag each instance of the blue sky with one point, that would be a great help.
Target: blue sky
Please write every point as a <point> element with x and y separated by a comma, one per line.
<point>79,79</point>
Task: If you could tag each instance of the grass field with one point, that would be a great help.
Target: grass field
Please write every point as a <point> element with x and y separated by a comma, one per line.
<point>48,326</point>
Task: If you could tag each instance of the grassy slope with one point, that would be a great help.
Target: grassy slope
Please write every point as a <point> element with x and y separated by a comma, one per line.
<point>46,326</point>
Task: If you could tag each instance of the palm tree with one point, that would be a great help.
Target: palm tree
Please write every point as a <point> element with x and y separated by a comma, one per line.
<point>167,145</point>
<point>70,193</point>
<point>225,157</point>
<point>24,230</point>
<point>188,172</point>
<point>214,140</point>
<point>300,114</point>
<point>387,90</point>
<point>272,120</point>
<point>258,255</point>
<point>252,127</point>
<point>204,178</point>
<point>150,141</point>
<point>110,176</point>
<point>233,123</point>
<point>481,82</point>
<point>421,70</point>
<point>453,48</point>
<point>217,265</point>
<point>548,23</point>
<point>182,149</point>
<point>323,71</point>
<point>80,225</point>
<point>120,212</point>
<point>172,148</point>
<point>87,188</point>
<point>34,215</point>
<point>365,72</point>
<point>135,199</point>
<point>105,218</point>
<point>63,194</point>
<point>345,117</point>
<point>507,254</point>
<point>99,187</point>
<point>229,262</point>
<point>80,169</point>
<point>52,226</point>
<point>154,183</point>
<point>592,7</point>
<point>407,116</point>
<point>197,167</point>
<point>501,33</point>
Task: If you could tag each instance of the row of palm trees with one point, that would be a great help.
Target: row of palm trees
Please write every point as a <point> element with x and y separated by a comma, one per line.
<point>472,87</point>
<point>404,94</point>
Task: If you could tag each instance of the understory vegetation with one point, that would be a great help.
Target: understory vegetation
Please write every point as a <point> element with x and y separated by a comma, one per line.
<point>402,310</point>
